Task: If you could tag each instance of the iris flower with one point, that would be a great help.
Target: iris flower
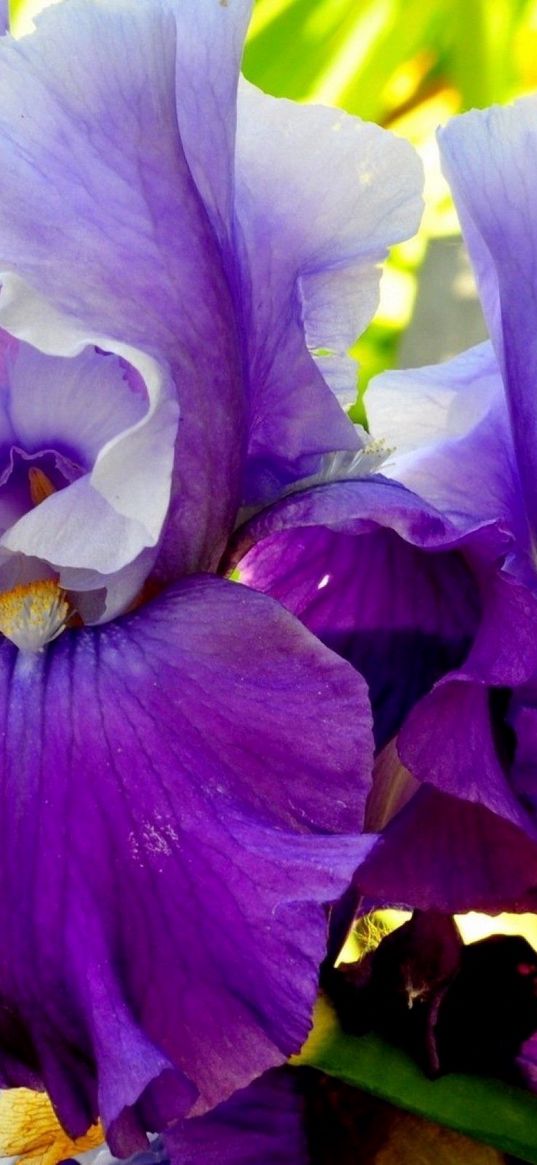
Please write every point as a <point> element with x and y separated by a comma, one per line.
<point>432,594</point>
<point>466,435</point>
<point>184,765</point>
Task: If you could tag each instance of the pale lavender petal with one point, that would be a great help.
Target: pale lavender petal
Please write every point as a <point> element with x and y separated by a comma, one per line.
<point>90,413</point>
<point>448,434</point>
<point>89,126</point>
<point>320,197</point>
<point>75,405</point>
<point>490,159</point>
<point>79,529</point>
<point>210,38</point>
<point>175,782</point>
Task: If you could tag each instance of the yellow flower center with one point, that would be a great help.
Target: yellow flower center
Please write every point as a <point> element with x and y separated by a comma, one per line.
<point>33,614</point>
<point>29,1129</point>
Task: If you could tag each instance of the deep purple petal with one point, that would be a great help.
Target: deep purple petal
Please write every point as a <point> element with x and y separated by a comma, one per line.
<point>360,506</point>
<point>470,764</point>
<point>101,216</point>
<point>320,197</point>
<point>260,1125</point>
<point>174,787</point>
<point>448,430</point>
<point>338,558</point>
<point>467,763</point>
<point>445,854</point>
<point>490,159</point>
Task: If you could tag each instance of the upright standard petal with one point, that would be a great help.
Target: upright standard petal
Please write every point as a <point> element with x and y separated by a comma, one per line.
<point>189,781</point>
<point>320,197</point>
<point>101,217</point>
<point>210,39</point>
<point>490,160</point>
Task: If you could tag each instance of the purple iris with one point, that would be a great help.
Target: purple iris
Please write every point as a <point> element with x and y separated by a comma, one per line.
<point>466,436</point>
<point>264,1124</point>
<point>183,788</point>
<point>432,594</point>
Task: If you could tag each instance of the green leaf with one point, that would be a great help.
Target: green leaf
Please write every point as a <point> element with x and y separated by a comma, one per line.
<point>485,1109</point>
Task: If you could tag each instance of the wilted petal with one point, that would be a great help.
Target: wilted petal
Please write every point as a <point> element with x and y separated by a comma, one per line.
<point>312,248</point>
<point>174,783</point>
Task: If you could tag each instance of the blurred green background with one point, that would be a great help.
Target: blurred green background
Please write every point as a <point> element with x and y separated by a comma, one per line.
<point>408,65</point>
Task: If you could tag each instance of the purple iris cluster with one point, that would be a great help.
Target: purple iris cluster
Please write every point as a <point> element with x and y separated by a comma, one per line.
<point>255,662</point>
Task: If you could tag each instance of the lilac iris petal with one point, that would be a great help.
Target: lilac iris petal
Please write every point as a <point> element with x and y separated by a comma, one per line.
<point>313,269</point>
<point>445,854</point>
<point>231,312</point>
<point>438,419</point>
<point>490,159</point>
<point>174,783</point>
<point>124,253</point>
<point>259,1125</point>
<point>191,780</point>
<point>56,519</point>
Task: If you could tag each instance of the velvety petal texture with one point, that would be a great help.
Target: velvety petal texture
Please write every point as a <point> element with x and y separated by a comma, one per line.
<point>380,577</point>
<point>260,1125</point>
<point>189,781</point>
<point>444,854</point>
<point>442,635</point>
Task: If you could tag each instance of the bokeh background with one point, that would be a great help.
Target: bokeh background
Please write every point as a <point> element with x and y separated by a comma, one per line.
<point>408,65</point>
